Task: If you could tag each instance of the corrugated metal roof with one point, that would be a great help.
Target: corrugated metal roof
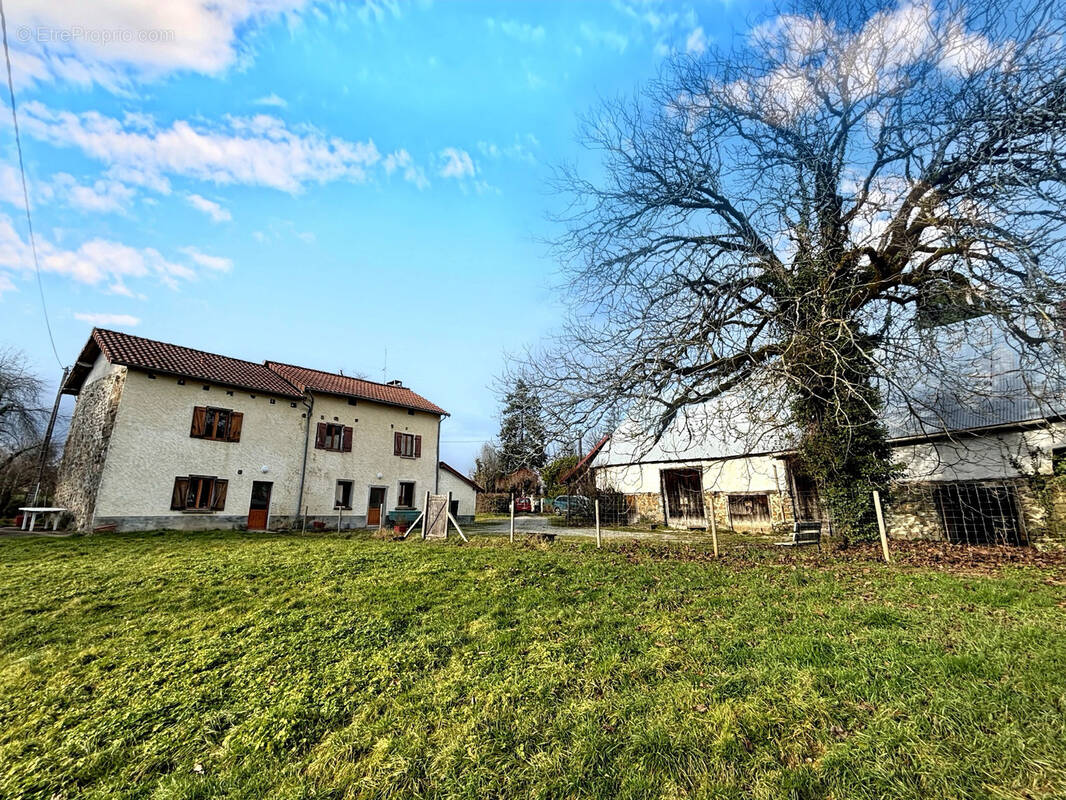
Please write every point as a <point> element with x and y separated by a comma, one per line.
<point>990,386</point>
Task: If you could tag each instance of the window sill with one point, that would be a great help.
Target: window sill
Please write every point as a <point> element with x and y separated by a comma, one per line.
<point>410,458</point>
<point>197,511</point>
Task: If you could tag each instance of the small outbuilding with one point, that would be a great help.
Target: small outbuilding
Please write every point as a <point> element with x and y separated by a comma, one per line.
<point>463,489</point>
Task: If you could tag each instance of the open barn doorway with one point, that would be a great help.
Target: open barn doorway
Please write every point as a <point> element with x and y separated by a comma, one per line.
<point>682,491</point>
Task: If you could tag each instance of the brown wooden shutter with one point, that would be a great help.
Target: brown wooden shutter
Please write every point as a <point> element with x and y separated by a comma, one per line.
<point>397,444</point>
<point>218,499</point>
<point>199,422</point>
<point>181,492</point>
<point>320,437</point>
<point>346,444</point>
<point>418,447</point>
<point>236,422</point>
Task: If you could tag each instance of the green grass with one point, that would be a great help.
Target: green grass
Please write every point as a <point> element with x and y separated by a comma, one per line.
<point>259,666</point>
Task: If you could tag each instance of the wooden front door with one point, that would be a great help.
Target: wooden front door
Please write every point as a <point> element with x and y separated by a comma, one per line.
<point>373,510</point>
<point>259,507</point>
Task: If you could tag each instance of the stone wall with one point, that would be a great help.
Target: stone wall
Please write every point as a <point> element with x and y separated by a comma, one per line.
<point>912,514</point>
<point>82,466</point>
<point>1055,532</point>
<point>649,507</point>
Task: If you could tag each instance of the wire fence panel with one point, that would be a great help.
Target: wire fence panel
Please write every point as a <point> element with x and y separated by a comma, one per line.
<point>967,512</point>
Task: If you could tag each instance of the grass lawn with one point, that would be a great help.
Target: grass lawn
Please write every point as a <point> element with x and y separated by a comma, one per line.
<point>266,666</point>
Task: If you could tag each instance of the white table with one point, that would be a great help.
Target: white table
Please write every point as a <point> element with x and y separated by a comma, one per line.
<point>28,523</point>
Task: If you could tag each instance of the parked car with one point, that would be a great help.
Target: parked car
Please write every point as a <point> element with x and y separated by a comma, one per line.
<point>523,504</point>
<point>573,502</point>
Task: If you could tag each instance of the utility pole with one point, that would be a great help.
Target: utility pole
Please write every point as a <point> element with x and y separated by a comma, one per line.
<point>48,436</point>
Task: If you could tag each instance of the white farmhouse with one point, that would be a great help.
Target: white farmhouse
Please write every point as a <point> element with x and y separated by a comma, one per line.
<point>165,436</point>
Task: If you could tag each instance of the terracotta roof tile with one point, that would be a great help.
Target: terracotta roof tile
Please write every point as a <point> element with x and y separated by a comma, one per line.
<point>172,359</point>
<point>332,383</point>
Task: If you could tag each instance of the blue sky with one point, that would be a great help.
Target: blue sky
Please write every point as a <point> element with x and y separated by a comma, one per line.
<point>313,183</point>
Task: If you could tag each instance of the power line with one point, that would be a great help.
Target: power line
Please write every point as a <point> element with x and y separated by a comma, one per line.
<point>25,189</point>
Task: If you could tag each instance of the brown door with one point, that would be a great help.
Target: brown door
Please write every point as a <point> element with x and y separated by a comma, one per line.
<point>373,510</point>
<point>259,507</point>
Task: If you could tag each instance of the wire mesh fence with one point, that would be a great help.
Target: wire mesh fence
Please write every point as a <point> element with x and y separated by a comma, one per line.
<point>963,512</point>
<point>960,512</point>
<point>579,510</point>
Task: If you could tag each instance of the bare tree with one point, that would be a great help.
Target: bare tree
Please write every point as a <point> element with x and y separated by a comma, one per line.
<point>777,232</point>
<point>21,415</point>
<point>487,469</point>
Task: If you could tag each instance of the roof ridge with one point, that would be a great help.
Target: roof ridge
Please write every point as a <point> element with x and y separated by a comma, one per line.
<point>477,486</point>
<point>182,346</point>
<point>268,362</point>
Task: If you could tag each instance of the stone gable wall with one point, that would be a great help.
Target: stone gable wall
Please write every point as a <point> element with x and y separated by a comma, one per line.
<point>85,452</point>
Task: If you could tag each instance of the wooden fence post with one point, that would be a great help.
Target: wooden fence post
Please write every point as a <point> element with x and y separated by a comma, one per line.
<point>425,514</point>
<point>597,522</point>
<point>881,526</point>
<point>714,528</point>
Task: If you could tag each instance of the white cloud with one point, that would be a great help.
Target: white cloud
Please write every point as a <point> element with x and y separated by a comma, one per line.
<point>209,207</point>
<point>216,263</point>
<point>94,262</point>
<point>253,151</point>
<point>401,160</point>
<point>102,196</point>
<point>117,42</point>
<point>521,31</point>
<point>870,61</point>
<point>271,100</point>
<point>604,37</point>
<point>457,163</point>
<point>696,42</point>
<point>122,320</point>
<point>519,149</point>
<point>6,285</point>
<point>378,10</point>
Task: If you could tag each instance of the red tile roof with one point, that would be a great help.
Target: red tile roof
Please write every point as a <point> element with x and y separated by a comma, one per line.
<point>448,468</point>
<point>172,359</point>
<point>332,383</point>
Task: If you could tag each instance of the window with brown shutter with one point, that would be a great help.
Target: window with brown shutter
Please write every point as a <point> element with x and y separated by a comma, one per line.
<point>181,491</point>
<point>199,417</point>
<point>407,445</point>
<point>218,495</point>
<point>236,422</point>
<point>397,444</point>
<point>216,424</point>
<point>333,437</point>
<point>198,493</point>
